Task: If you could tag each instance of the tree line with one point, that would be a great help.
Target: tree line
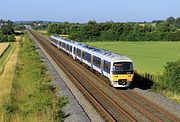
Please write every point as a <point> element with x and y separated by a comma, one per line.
<point>157,30</point>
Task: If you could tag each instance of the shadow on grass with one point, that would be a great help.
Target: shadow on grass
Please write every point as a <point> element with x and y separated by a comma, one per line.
<point>19,33</point>
<point>142,81</point>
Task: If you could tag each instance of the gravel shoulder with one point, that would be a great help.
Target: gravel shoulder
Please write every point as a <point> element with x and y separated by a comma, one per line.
<point>164,102</point>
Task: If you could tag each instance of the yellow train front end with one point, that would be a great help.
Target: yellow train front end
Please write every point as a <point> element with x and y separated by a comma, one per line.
<point>122,74</point>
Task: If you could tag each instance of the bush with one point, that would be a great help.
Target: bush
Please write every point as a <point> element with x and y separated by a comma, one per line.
<point>3,38</point>
<point>11,38</point>
<point>170,79</point>
<point>9,107</point>
<point>7,38</point>
<point>109,35</point>
<point>62,101</point>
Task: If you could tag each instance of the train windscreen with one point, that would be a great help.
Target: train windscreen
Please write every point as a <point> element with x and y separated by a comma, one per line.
<point>122,68</point>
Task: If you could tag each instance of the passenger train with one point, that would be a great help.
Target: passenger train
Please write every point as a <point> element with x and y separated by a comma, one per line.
<point>117,68</point>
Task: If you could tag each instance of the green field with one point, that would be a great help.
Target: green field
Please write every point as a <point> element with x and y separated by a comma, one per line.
<point>147,56</point>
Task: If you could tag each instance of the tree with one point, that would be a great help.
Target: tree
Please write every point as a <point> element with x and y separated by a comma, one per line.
<point>138,28</point>
<point>148,28</point>
<point>177,22</point>
<point>53,28</point>
<point>7,27</point>
<point>127,28</point>
<point>19,27</point>
<point>3,38</point>
<point>109,35</point>
<point>11,38</point>
<point>163,27</point>
<point>170,20</point>
<point>171,75</point>
<point>118,28</point>
<point>92,22</point>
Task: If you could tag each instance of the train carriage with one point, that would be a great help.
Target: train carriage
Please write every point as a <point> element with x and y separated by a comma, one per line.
<point>117,68</point>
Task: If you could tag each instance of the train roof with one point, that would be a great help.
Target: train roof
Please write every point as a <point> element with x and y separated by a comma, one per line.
<point>102,53</point>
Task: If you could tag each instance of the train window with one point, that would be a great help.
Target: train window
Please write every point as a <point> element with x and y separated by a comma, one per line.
<point>74,50</point>
<point>122,67</point>
<point>70,49</point>
<point>63,44</point>
<point>84,55</point>
<point>53,40</point>
<point>78,52</point>
<point>88,57</point>
<point>56,41</point>
<point>107,66</point>
<point>96,61</point>
<point>67,47</point>
<point>60,43</point>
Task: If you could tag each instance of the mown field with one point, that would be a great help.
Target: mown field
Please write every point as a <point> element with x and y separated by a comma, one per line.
<point>44,32</point>
<point>148,57</point>
<point>3,47</point>
<point>6,54</point>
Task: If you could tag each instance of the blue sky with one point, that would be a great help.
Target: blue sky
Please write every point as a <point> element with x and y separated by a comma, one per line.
<point>85,10</point>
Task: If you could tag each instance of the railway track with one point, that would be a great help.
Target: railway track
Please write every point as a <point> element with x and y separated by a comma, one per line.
<point>113,104</point>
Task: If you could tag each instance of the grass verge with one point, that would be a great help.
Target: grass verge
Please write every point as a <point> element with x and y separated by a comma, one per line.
<point>32,96</point>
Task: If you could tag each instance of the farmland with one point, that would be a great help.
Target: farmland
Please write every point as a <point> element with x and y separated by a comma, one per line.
<point>3,47</point>
<point>6,54</point>
<point>147,56</point>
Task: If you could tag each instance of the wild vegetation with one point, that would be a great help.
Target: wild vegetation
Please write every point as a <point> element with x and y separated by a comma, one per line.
<point>169,82</point>
<point>32,95</point>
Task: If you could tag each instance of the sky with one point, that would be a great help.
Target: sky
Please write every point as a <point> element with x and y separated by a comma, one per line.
<point>85,10</point>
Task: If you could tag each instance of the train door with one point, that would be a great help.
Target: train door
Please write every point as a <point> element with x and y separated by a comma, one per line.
<point>102,65</point>
<point>74,52</point>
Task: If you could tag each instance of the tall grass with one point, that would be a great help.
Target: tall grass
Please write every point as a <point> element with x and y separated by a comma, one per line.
<point>32,94</point>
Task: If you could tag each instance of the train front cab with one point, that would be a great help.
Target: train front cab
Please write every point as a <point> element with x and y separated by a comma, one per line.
<point>122,74</point>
